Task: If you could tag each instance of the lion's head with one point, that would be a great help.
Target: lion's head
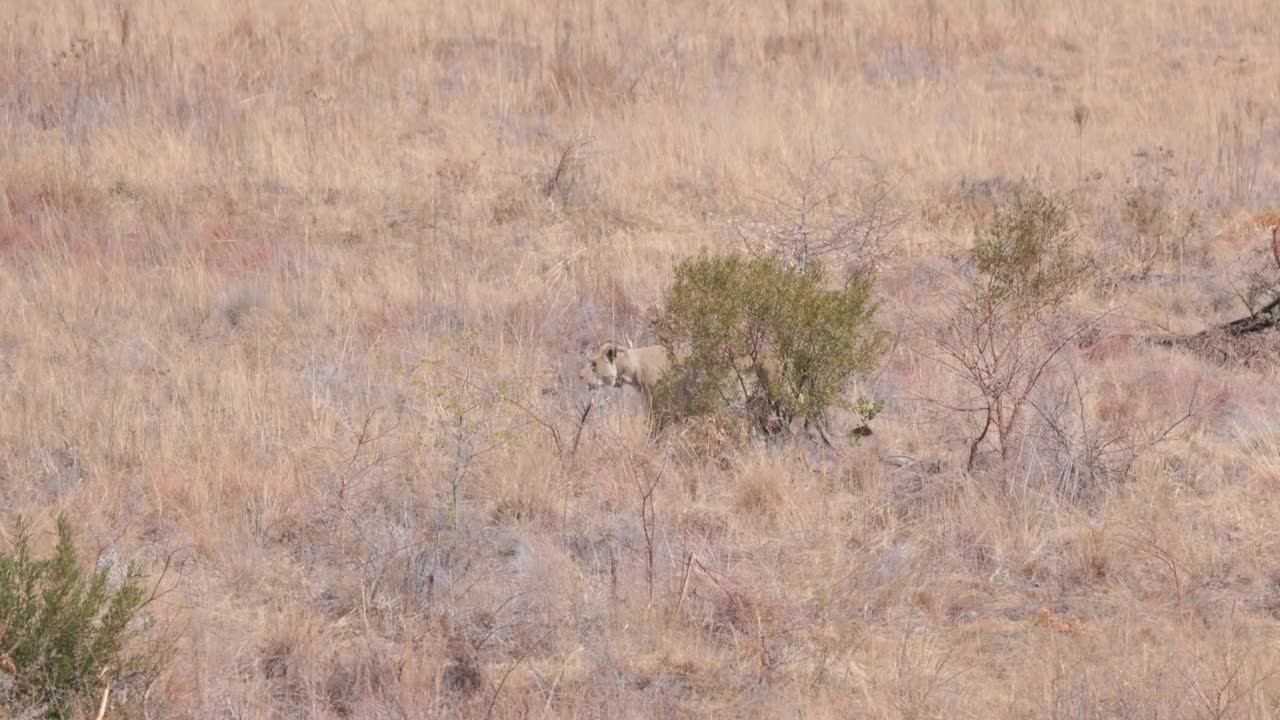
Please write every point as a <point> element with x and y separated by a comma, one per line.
<point>614,365</point>
<point>602,370</point>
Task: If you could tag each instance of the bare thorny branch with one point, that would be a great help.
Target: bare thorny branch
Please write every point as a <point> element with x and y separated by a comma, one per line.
<point>1002,357</point>
<point>817,218</point>
<point>646,485</point>
<point>1114,454</point>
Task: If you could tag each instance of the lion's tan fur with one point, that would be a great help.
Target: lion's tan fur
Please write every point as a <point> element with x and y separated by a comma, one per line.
<point>615,365</point>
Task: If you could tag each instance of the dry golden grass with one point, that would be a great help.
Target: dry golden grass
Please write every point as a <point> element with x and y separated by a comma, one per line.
<point>285,280</point>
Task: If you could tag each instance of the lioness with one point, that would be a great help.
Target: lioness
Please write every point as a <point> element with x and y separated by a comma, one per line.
<point>614,365</point>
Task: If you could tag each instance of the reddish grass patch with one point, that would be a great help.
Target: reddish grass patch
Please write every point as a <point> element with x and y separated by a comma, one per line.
<point>377,322</point>
<point>222,248</point>
<point>110,253</point>
<point>1100,348</point>
<point>15,234</point>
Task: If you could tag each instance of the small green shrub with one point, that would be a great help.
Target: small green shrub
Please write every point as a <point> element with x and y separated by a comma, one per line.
<point>772,340</point>
<point>1027,255</point>
<point>1007,323</point>
<point>59,628</point>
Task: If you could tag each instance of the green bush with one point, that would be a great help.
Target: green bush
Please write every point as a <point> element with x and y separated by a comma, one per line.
<point>1007,322</point>
<point>754,334</point>
<point>1027,255</point>
<point>59,628</point>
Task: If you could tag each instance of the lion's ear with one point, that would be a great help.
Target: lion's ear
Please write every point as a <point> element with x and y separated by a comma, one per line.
<point>611,352</point>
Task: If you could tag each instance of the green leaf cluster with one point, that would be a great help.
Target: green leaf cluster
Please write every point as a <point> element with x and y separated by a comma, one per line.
<point>1027,253</point>
<point>59,627</point>
<point>755,333</point>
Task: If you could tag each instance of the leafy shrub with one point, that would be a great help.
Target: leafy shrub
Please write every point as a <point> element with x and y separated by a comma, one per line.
<point>758,335</point>
<point>1006,326</point>
<point>1027,253</point>
<point>59,629</point>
